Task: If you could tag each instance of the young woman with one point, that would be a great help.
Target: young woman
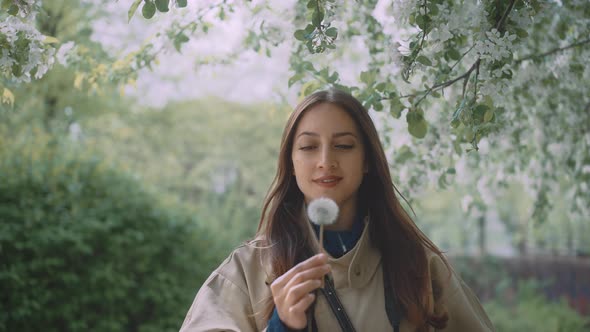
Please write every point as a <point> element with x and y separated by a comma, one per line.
<point>380,272</point>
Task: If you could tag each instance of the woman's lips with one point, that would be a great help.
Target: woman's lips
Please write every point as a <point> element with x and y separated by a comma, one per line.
<point>327,181</point>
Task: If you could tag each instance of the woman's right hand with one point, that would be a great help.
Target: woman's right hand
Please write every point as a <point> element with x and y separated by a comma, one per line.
<point>292,292</point>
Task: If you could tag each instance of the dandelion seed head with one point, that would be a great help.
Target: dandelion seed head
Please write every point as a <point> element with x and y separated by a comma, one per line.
<point>322,211</point>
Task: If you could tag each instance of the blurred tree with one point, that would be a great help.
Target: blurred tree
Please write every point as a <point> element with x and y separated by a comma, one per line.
<point>85,246</point>
<point>215,155</point>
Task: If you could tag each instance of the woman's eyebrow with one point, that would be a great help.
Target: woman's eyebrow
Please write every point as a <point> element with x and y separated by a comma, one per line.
<point>344,133</point>
<point>339,134</point>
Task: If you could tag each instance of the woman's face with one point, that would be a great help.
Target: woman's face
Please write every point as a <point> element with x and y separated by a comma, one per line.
<point>328,155</point>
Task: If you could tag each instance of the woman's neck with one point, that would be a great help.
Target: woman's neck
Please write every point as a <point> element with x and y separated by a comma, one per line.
<point>346,216</point>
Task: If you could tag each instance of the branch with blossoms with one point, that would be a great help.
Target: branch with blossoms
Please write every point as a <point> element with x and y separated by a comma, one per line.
<point>465,76</point>
<point>551,52</point>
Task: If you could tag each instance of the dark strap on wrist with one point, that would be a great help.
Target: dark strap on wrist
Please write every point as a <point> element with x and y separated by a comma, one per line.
<point>336,306</point>
<point>391,306</point>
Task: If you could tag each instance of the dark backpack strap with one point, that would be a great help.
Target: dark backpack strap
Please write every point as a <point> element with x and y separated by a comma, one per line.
<point>391,306</point>
<point>336,306</point>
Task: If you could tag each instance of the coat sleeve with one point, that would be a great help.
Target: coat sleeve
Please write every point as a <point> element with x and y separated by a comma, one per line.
<point>220,305</point>
<point>452,295</point>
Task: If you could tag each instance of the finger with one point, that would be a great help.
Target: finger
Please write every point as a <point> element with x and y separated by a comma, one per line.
<point>296,293</point>
<point>315,273</point>
<point>319,259</point>
<point>300,307</point>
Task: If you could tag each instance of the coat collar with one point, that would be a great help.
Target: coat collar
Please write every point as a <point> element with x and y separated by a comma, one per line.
<point>355,269</point>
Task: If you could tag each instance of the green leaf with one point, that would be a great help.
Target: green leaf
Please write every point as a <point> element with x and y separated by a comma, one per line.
<point>332,32</point>
<point>309,28</point>
<point>162,5</point>
<point>309,46</point>
<point>481,108</point>
<point>418,129</point>
<point>424,60</point>
<point>378,106</point>
<point>417,126</point>
<point>13,10</point>
<point>300,35</point>
<point>334,77</point>
<point>295,78</point>
<point>454,54</point>
<point>469,134</point>
<point>442,181</point>
<point>451,170</point>
<point>133,9</point>
<point>148,10</point>
<point>317,18</point>
<point>423,21</point>
<point>181,3</point>
<point>306,65</point>
<point>311,4</point>
<point>522,33</point>
<point>403,154</point>
<point>17,70</point>
<point>50,40</point>
<point>433,9</point>
<point>368,77</point>
<point>310,87</point>
<point>396,107</point>
<point>420,21</point>
<point>489,114</point>
<point>180,39</point>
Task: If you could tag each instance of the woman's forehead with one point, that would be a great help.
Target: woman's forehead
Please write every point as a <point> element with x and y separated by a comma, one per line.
<point>326,119</point>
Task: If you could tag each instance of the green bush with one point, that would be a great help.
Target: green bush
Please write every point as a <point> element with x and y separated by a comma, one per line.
<point>530,310</point>
<point>84,247</point>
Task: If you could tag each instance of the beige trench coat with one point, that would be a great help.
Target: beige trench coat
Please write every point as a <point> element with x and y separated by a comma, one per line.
<point>234,296</point>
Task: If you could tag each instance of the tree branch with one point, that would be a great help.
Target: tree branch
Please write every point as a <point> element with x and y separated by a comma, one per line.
<point>465,76</point>
<point>553,51</point>
<point>500,23</point>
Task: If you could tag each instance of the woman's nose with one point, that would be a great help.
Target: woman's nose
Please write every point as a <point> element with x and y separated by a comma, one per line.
<point>327,159</point>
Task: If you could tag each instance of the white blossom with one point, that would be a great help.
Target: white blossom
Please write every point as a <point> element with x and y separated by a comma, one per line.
<point>65,52</point>
<point>38,55</point>
<point>495,47</point>
<point>403,8</point>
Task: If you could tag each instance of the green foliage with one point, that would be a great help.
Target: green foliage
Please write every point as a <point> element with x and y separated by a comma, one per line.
<point>531,311</point>
<point>216,156</point>
<point>149,9</point>
<point>417,126</point>
<point>162,5</point>
<point>520,306</point>
<point>86,247</point>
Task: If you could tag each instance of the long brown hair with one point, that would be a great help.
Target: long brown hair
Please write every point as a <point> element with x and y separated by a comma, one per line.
<point>392,231</point>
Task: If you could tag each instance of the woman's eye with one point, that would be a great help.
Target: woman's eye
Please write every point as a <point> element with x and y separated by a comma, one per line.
<point>344,146</point>
<point>306,147</point>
